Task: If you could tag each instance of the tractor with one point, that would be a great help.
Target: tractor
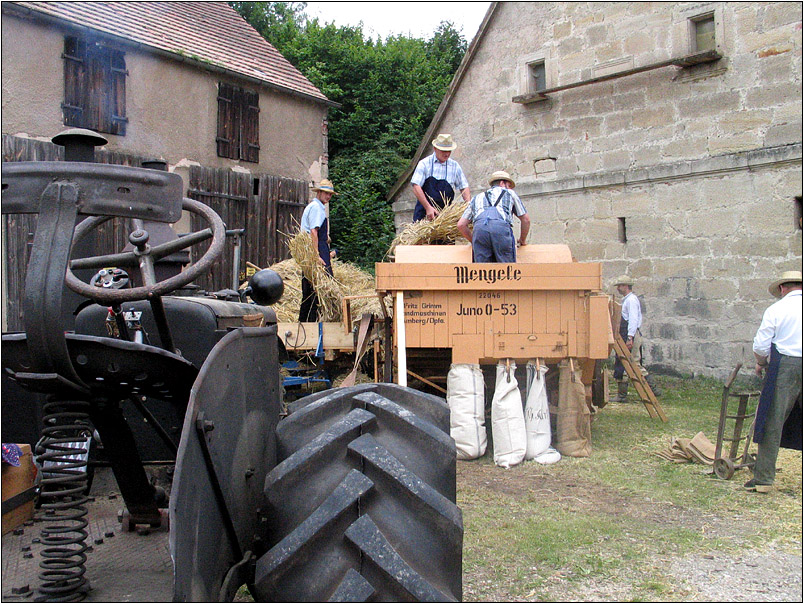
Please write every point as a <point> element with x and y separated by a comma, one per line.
<point>348,495</point>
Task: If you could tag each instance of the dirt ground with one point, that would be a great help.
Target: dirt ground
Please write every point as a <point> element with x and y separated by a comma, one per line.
<point>772,575</point>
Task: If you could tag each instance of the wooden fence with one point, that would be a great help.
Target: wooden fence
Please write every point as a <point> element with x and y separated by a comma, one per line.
<point>265,206</point>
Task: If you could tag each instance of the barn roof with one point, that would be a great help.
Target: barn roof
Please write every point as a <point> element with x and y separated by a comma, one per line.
<point>211,35</point>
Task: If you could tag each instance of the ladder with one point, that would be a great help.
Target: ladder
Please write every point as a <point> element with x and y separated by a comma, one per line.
<point>637,379</point>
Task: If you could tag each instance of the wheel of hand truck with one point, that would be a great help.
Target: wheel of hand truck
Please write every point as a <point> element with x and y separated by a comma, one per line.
<point>362,503</point>
<point>724,468</point>
<point>150,255</point>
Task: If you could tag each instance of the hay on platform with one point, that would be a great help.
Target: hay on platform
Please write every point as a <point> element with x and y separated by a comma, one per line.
<point>442,230</point>
<point>350,280</point>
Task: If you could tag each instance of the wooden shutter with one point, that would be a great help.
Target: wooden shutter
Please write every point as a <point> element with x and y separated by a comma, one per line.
<point>251,127</point>
<point>117,93</point>
<point>73,107</point>
<point>225,120</point>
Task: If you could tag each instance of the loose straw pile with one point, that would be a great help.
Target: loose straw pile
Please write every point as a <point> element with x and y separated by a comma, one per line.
<point>442,230</point>
<point>349,280</point>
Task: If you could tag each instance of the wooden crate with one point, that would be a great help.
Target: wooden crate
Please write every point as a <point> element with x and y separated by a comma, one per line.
<point>18,482</point>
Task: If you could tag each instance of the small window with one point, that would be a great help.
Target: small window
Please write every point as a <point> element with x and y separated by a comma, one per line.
<point>621,230</point>
<point>703,30</point>
<point>94,86</point>
<point>797,212</point>
<point>537,75</point>
<point>238,123</point>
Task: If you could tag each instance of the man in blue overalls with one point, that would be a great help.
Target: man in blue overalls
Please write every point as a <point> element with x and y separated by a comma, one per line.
<point>314,221</point>
<point>491,213</point>
<point>436,179</point>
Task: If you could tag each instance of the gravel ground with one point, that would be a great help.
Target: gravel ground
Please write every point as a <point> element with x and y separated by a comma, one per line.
<point>770,576</point>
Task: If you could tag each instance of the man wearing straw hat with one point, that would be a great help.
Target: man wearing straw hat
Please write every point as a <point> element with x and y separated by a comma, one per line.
<point>491,213</point>
<point>631,332</point>
<point>777,348</point>
<point>314,221</point>
<point>436,179</point>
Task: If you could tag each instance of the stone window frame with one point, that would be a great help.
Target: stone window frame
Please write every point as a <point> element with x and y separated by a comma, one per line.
<point>542,56</point>
<point>698,13</point>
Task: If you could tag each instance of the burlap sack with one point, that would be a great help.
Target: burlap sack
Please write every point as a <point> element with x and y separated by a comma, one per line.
<point>574,421</point>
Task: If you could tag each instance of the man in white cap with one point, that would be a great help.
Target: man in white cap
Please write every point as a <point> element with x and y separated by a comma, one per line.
<point>314,221</point>
<point>777,349</point>
<point>436,179</point>
<point>491,213</point>
<point>631,332</point>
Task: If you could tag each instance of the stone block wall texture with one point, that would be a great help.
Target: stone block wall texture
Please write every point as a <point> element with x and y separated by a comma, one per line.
<point>702,165</point>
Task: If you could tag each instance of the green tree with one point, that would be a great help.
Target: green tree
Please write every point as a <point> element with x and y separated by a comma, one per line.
<point>388,91</point>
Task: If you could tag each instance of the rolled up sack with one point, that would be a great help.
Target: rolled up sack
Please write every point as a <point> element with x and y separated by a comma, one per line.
<point>507,419</point>
<point>466,398</point>
<point>548,457</point>
<point>537,412</point>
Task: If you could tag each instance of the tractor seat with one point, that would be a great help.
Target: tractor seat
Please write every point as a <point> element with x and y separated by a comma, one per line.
<point>111,368</point>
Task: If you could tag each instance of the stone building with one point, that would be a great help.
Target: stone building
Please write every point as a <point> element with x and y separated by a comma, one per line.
<point>660,139</point>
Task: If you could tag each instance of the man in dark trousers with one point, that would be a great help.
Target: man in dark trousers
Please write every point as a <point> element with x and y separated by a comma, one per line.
<point>314,221</point>
<point>631,332</point>
<point>777,349</point>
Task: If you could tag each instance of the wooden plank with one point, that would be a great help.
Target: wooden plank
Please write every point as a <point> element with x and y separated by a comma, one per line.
<point>488,276</point>
<point>402,361</point>
<point>462,253</point>
<point>304,336</point>
<point>599,327</point>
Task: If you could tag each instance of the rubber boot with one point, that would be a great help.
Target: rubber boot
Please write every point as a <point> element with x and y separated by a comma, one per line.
<point>653,385</point>
<point>622,392</point>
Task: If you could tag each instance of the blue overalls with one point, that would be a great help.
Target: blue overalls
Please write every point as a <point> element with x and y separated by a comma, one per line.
<point>492,236</point>
<point>437,191</point>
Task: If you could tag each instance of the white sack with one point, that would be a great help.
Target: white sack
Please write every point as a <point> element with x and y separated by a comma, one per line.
<point>507,420</point>
<point>537,413</point>
<point>467,414</point>
<point>548,457</point>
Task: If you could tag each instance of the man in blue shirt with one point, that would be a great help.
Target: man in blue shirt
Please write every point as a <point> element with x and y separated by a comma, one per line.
<point>314,221</point>
<point>491,213</point>
<point>436,179</point>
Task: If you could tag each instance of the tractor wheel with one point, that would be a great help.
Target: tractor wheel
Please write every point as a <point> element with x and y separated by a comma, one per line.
<point>362,503</point>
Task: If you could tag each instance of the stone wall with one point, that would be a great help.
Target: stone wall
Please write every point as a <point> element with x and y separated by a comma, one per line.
<point>701,165</point>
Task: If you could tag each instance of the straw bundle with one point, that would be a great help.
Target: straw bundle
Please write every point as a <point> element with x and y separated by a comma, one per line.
<point>328,289</point>
<point>442,230</point>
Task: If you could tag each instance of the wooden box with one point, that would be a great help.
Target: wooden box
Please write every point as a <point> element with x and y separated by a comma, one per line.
<point>18,490</point>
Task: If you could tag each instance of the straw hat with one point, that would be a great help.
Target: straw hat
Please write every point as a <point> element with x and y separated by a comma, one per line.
<point>502,175</point>
<point>624,280</point>
<point>444,142</point>
<point>787,277</point>
<point>326,186</point>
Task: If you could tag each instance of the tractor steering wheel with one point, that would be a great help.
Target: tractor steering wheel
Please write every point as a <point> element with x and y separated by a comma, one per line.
<point>145,256</point>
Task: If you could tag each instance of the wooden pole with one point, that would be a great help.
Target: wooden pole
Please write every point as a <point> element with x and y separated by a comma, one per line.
<point>402,361</point>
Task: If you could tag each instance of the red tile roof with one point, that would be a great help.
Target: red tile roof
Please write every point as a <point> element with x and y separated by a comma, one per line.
<point>208,32</point>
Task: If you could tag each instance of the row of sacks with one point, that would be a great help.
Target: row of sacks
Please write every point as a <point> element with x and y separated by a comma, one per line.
<point>519,432</point>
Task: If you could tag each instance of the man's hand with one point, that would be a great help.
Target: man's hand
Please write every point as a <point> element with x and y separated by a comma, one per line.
<point>320,261</point>
<point>758,369</point>
<point>630,343</point>
<point>432,212</point>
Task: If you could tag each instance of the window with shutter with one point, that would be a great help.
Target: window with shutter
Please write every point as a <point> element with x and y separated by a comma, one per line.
<point>94,86</point>
<point>238,123</point>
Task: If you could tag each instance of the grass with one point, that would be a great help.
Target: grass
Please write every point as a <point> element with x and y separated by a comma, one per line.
<point>619,516</point>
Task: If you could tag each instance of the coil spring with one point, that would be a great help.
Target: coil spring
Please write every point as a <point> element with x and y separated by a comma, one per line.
<point>63,496</point>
